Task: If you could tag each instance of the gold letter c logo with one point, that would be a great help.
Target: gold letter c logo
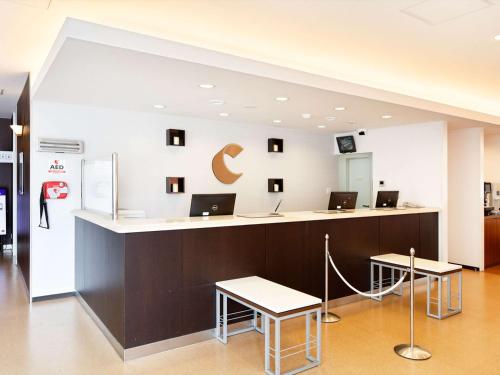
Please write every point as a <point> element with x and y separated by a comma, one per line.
<point>221,172</point>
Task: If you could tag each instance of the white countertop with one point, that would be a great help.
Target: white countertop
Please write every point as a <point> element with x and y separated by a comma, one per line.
<point>160,224</point>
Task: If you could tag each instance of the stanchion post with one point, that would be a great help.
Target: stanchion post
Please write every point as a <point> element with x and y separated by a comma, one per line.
<point>412,351</point>
<point>326,316</point>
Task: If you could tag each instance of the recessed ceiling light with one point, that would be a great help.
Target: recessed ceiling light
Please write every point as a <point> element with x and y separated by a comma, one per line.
<point>330,118</point>
<point>281,98</point>
<point>497,37</point>
<point>216,102</point>
<point>158,106</point>
<point>277,121</point>
<point>321,126</point>
<point>207,86</point>
<point>224,114</point>
<point>340,108</point>
<point>306,115</point>
<point>386,117</point>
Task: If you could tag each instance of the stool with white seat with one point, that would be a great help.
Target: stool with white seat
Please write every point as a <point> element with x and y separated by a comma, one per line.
<point>271,301</point>
<point>431,269</point>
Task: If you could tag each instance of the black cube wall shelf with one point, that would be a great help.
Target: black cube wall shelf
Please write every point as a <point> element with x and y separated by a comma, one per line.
<point>274,145</point>
<point>275,185</point>
<point>175,185</point>
<point>176,137</point>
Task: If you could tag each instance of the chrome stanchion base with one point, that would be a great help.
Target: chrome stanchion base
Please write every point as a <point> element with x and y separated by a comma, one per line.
<point>328,317</point>
<point>416,353</point>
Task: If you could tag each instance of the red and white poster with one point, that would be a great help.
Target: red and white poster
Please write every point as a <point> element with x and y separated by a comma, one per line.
<point>57,166</point>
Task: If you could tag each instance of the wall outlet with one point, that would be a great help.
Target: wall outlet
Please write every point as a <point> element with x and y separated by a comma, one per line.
<point>6,156</point>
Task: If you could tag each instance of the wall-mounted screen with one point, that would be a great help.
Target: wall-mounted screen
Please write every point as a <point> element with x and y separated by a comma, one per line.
<point>346,144</point>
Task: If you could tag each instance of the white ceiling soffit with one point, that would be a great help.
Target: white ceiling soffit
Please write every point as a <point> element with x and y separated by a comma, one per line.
<point>120,85</point>
<point>436,12</point>
<point>91,74</point>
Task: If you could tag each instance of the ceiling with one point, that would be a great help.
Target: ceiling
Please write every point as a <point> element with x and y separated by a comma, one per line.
<point>92,74</point>
<point>439,50</point>
<point>11,86</point>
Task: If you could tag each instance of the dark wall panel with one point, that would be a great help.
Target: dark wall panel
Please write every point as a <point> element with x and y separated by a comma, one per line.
<point>153,266</point>
<point>351,243</point>
<point>6,175</point>
<point>23,201</point>
<point>399,233</point>
<point>429,236</point>
<point>100,274</point>
<point>286,261</point>
<point>222,253</point>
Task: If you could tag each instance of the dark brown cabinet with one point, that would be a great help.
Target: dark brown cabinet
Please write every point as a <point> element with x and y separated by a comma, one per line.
<point>491,241</point>
<point>286,255</point>
<point>351,243</point>
<point>429,236</point>
<point>399,233</point>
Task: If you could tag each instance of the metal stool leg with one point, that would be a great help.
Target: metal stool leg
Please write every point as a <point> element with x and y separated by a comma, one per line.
<point>460,291</point>
<point>277,347</point>
<point>372,276</point>
<point>318,336</point>
<point>267,349</point>
<point>380,277</point>
<point>440,286</point>
<point>224,319</point>
<point>401,285</point>
<point>217,315</point>
<point>308,335</point>
<point>392,277</point>
<point>428,295</point>
<point>448,292</point>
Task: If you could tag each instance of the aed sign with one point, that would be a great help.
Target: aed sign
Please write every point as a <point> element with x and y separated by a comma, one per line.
<point>57,166</point>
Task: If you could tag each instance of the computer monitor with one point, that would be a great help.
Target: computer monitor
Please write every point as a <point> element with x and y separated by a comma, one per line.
<point>387,199</point>
<point>343,200</point>
<point>212,204</point>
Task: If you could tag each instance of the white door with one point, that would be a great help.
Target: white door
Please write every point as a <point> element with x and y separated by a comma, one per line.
<point>359,178</point>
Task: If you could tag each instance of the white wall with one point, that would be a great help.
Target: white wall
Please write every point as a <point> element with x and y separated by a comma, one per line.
<point>465,173</point>
<point>307,166</point>
<point>413,160</point>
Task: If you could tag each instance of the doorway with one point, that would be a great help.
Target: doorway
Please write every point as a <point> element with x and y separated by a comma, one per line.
<point>355,174</point>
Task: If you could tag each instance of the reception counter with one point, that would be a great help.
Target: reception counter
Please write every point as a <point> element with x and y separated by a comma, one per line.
<point>149,283</point>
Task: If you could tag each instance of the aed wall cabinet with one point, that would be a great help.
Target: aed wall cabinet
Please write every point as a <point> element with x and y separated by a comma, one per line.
<point>275,185</point>
<point>274,145</point>
<point>176,137</point>
<point>175,185</point>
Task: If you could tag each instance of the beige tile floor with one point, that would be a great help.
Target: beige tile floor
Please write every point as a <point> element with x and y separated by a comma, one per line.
<point>57,337</point>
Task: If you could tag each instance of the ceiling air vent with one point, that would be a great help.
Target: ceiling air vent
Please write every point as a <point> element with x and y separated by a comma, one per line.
<point>65,146</point>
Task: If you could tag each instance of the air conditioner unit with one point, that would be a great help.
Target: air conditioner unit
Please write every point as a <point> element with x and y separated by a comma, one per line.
<point>65,146</point>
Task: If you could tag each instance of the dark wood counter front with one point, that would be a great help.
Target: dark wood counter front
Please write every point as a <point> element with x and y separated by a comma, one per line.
<point>491,241</point>
<point>153,286</point>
